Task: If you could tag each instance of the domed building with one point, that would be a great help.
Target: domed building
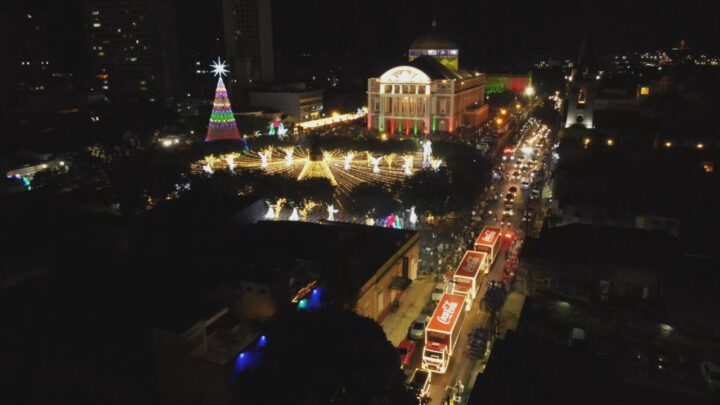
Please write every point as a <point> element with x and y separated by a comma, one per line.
<point>431,93</point>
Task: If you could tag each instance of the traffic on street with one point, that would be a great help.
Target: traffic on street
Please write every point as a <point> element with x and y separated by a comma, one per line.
<point>448,344</point>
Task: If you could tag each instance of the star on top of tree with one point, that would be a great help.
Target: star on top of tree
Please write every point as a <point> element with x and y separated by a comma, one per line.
<point>219,68</point>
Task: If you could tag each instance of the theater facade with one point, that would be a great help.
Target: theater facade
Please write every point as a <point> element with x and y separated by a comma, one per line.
<point>431,93</point>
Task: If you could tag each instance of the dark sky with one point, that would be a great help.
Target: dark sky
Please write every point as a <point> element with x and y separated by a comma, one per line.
<point>495,32</point>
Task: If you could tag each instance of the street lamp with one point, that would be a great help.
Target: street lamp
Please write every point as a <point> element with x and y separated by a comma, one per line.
<point>498,121</point>
<point>610,142</point>
<point>529,91</point>
<point>503,111</point>
<point>699,146</point>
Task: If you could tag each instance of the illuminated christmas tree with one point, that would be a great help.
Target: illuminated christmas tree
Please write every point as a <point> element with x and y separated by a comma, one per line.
<point>222,121</point>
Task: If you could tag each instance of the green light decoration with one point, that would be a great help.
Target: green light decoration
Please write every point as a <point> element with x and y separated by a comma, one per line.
<point>400,128</point>
<point>415,127</point>
<point>434,123</point>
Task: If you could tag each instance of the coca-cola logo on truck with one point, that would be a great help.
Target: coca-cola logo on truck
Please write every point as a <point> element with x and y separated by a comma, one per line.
<point>489,236</point>
<point>470,264</point>
<point>448,310</point>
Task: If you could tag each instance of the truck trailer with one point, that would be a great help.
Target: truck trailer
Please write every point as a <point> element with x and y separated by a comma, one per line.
<point>443,332</point>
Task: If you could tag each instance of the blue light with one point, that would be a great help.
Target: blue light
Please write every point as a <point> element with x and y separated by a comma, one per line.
<point>315,291</point>
<point>263,341</point>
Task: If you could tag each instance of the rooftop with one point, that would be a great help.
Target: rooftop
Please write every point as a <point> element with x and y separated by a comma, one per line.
<point>436,71</point>
<point>590,245</point>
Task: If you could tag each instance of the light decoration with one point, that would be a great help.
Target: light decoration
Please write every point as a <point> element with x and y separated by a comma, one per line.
<point>369,221</point>
<point>413,216</point>
<point>345,168</point>
<point>375,161</point>
<point>347,159</point>
<point>331,211</point>
<point>277,128</point>
<point>307,206</point>
<point>427,151</point>
<point>270,212</point>
<point>389,159</point>
<point>230,160</point>
<point>334,119</point>
<point>222,121</point>
<point>264,158</point>
<point>295,216</point>
<point>408,165</point>
<point>435,163</point>
<point>289,151</point>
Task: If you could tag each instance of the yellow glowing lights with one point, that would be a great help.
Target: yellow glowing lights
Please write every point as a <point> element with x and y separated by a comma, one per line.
<point>700,146</point>
<point>610,142</point>
<point>517,106</point>
<point>644,90</point>
<point>503,111</point>
<point>586,141</point>
<point>668,144</point>
<point>499,121</point>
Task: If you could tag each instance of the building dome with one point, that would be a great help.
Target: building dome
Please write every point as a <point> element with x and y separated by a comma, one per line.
<point>433,40</point>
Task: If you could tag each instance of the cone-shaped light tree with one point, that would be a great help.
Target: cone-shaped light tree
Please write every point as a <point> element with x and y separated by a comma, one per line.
<point>222,122</point>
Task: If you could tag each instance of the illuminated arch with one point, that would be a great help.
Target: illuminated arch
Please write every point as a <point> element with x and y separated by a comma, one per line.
<point>405,74</point>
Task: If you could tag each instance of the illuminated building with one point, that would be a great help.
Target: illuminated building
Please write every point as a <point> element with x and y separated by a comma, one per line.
<point>133,48</point>
<point>248,40</point>
<point>500,83</point>
<point>300,103</point>
<point>432,92</point>
<point>580,102</point>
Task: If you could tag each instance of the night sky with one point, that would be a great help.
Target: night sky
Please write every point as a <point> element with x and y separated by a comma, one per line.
<point>493,34</point>
<point>496,33</point>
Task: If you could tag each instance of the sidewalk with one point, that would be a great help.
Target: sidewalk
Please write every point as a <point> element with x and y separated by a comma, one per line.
<point>396,324</point>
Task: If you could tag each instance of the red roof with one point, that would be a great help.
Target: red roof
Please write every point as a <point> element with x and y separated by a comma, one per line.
<point>470,264</point>
<point>447,313</point>
<point>488,236</point>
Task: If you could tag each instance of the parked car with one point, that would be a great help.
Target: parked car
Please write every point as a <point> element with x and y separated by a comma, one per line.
<point>525,185</point>
<point>512,189</point>
<point>420,382</point>
<point>406,349</point>
<point>438,291</point>
<point>711,374</point>
<point>508,210</point>
<point>417,329</point>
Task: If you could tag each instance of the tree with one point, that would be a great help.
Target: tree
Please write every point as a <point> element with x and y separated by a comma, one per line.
<point>222,121</point>
<point>325,356</point>
<point>369,198</point>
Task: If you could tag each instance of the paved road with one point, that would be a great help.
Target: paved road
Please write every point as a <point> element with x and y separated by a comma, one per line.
<point>461,364</point>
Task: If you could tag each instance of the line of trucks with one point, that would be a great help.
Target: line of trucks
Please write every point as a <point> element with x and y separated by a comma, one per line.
<point>442,332</point>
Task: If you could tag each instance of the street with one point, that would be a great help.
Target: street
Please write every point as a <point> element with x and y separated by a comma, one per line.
<point>509,215</point>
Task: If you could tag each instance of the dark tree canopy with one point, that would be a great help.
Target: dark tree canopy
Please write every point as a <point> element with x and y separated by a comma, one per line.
<point>326,356</point>
<point>370,198</point>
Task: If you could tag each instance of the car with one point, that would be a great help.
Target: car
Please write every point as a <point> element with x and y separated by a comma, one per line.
<point>508,210</point>
<point>510,197</point>
<point>527,217</point>
<point>417,329</point>
<point>516,175</point>
<point>438,291</point>
<point>420,382</point>
<point>512,189</point>
<point>406,349</point>
<point>711,374</point>
<point>525,184</point>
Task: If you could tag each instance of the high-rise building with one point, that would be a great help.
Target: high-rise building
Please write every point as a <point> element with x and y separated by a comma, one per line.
<point>249,41</point>
<point>133,48</point>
